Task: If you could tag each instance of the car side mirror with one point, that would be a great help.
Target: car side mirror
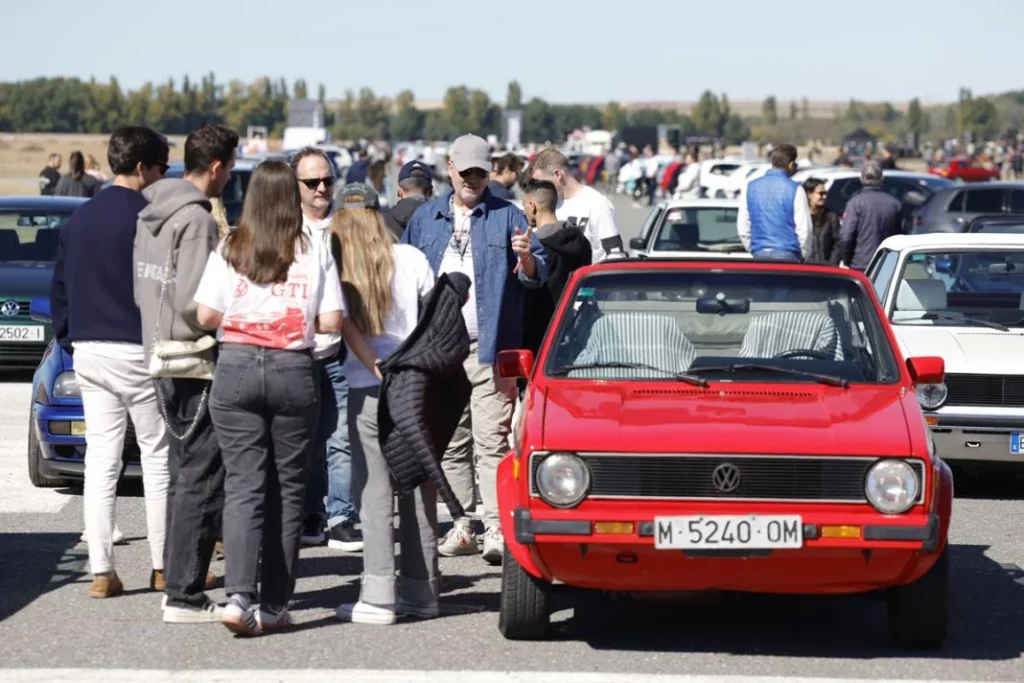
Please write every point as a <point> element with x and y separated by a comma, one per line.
<point>514,364</point>
<point>927,369</point>
<point>39,309</point>
<point>637,243</point>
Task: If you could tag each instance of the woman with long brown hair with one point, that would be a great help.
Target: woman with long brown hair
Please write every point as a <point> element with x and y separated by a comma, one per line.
<point>268,290</point>
<point>77,183</point>
<point>382,283</point>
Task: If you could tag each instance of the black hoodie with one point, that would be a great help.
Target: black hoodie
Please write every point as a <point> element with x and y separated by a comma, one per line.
<point>567,249</point>
<point>398,216</point>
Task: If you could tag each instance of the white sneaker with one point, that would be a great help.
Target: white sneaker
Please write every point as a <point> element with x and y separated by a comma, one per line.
<point>365,613</point>
<point>494,546</point>
<point>460,540</point>
<point>210,613</point>
<point>268,621</point>
<point>240,620</point>
<point>118,537</point>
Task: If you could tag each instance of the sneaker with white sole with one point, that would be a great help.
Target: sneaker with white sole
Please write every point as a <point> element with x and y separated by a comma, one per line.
<point>494,546</point>
<point>273,621</point>
<point>460,540</point>
<point>345,537</point>
<point>408,609</point>
<point>210,613</point>
<point>241,619</point>
<point>365,613</point>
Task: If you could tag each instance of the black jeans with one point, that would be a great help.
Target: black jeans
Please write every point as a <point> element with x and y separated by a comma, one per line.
<point>195,497</point>
<point>265,404</point>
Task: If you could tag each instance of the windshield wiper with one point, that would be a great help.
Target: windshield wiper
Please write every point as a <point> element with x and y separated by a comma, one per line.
<point>831,380</point>
<point>956,318</point>
<point>681,376</point>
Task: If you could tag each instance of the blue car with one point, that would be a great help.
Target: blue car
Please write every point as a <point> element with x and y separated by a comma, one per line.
<point>56,432</point>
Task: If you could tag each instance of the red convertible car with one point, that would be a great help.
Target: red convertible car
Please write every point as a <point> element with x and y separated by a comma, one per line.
<point>744,426</point>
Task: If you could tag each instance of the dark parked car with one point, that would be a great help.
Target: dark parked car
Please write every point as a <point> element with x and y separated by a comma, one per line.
<point>1004,224</point>
<point>952,209</point>
<point>29,230</point>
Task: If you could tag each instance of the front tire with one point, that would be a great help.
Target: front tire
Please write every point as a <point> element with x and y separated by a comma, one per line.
<point>35,457</point>
<point>525,602</point>
<point>919,612</point>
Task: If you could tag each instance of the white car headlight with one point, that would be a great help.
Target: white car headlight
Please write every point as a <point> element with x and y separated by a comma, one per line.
<point>563,480</point>
<point>932,396</point>
<point>66,386</point>
<point>892,486</point>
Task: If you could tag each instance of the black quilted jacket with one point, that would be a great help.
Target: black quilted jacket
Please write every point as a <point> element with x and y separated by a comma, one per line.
<point>424,392</point>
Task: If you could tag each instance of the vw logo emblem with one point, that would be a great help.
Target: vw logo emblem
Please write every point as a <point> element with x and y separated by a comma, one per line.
<point>726,477</point>
<point>10,308</point>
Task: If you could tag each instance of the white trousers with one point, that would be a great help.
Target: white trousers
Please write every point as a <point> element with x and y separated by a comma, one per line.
<point>115,384</point>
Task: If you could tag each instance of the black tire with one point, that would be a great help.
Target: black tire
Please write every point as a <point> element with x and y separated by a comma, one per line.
<point>35,475</point>
<point>919,612</point>
<point>525,603</point>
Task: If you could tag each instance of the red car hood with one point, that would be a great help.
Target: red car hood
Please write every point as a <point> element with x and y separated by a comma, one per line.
<point>726,418</point>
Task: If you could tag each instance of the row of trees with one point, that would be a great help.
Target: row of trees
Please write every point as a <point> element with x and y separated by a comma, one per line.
<point>69,105</point>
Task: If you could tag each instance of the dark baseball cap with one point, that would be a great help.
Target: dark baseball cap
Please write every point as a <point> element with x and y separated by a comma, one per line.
<point>416,168</point>
<point>358,196</point>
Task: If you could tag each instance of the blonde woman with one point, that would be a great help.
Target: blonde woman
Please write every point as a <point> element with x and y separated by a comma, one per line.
<point>382,283</point>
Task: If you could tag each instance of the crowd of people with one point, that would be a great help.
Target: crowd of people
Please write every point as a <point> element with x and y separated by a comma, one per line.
<point>780,219</point>
<point>250,361</point>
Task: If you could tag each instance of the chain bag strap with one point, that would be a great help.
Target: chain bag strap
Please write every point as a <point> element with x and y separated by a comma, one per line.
<point>180,359</point>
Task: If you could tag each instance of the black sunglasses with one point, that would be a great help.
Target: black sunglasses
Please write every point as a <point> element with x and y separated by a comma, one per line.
<point>473,173</point>
<point>313,183</point>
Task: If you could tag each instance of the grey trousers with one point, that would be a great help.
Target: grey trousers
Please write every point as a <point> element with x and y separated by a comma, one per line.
<point>481,439</point>
<point>264,404</point>
<point>418,580</point>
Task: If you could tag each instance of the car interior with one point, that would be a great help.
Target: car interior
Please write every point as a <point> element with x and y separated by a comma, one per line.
<point>29,241</point>
<point>985,286</point>
<point>683,331</point>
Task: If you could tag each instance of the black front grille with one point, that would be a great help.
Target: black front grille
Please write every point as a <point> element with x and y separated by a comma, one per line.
<point>985,390</point>
<point>760,477</point>
<point>22,315</point>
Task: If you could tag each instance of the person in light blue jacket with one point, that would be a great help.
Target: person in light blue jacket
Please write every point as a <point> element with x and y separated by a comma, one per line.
<point>774,220</point>
<point>488,239</point>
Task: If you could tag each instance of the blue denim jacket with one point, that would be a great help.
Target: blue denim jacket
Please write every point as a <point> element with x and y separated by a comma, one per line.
<point>500,293</point>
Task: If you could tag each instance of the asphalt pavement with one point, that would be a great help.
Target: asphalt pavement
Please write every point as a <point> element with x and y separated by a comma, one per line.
<point>48,622</point>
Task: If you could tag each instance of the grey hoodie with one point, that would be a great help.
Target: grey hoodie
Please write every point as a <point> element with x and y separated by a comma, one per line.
<point>178,218</point>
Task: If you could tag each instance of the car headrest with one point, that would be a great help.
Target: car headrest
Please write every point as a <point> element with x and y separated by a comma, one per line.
<point>686,233</point>
<point>921,295</point>
<point>916,271</point>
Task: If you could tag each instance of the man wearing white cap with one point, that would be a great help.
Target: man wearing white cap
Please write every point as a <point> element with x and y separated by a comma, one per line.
<point>458,232</point>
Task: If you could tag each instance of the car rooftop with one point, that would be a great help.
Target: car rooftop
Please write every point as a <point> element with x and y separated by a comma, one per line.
<point>39,202</point>
<point>708,262</point>
<point>709,202</point>
<point>956,240</point>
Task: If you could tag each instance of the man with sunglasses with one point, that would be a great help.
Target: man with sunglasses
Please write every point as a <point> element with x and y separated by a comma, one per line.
<point>330,472</point>
<point>470,231</point>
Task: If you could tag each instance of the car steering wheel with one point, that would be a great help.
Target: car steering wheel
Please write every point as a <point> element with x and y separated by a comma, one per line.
<point>805,353</point>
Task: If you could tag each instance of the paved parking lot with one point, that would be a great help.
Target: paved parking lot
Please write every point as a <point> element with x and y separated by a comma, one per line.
<point>48,620</point>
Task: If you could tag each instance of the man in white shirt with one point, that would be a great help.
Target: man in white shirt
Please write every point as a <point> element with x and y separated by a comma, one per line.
<point>581,206</point>
<point>331,469</point>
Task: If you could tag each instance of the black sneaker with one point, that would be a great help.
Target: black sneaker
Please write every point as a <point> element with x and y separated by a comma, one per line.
<point>313,530</point>
<point>345,537</point>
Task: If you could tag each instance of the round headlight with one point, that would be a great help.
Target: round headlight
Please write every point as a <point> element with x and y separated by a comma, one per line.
<point>932,396</point>
<point>563,480</point>
<point>892,486</point>
<point>66,386</point>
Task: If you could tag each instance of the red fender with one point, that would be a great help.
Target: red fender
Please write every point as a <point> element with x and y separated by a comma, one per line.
<point>508,498</point>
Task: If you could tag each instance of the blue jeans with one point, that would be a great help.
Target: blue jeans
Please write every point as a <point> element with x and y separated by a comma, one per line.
<point>778,255</point>
<point>332,465</point>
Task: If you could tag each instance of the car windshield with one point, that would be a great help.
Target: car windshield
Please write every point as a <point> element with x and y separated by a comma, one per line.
<point>998,227</point>
<point>30,235</point>
<point>702,228</point>
<point>968,287</point>
<point>688,325</point>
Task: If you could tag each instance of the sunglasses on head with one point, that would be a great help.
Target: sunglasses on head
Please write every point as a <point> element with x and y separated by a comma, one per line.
<point>313,183</point>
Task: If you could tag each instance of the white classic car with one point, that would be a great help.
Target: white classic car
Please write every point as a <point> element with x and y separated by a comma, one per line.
<point>961,296</point>
<point>681,228</point>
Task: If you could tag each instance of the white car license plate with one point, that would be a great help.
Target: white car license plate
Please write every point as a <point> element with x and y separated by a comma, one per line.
<point>21,333</point>
<point>729,532</point>
<point>1015,443</point>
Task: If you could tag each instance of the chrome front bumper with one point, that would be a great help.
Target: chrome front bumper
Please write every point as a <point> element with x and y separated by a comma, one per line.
<point>977,435</point>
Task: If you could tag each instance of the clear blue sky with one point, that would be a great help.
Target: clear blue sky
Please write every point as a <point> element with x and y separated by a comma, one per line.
<point>560,50</point>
